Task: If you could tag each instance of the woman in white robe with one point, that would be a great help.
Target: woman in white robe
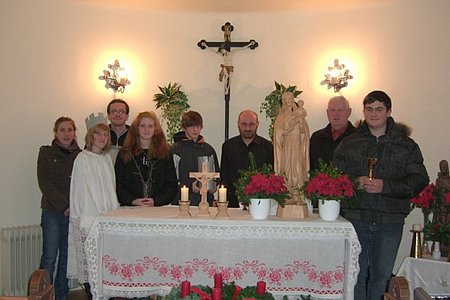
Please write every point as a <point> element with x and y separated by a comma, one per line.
<point>93,192</point>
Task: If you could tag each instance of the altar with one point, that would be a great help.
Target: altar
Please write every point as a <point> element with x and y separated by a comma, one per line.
<point>135,252</point>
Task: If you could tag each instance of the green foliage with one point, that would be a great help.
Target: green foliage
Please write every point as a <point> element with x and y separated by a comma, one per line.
<point>272,103</point>
<point>173,103</point>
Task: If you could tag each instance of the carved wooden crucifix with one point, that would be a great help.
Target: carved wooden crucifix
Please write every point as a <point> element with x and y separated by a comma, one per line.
<point>204,176</point>
<point>226,49</point>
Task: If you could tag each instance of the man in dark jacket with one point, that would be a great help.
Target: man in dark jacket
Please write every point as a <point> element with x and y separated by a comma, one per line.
<point>323,142</point>
<point>188,148</point>
<point>398,175</point>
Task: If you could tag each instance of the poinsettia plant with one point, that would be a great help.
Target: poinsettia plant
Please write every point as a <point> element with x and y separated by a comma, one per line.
<point>436,201</point>
<point>328,183</point>
<point>261,183</point>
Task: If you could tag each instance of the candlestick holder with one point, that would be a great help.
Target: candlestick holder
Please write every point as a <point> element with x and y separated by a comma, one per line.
<point>371,162</point>
<point>222,210</point>
<point>183,212</point>
<point>416,246</point>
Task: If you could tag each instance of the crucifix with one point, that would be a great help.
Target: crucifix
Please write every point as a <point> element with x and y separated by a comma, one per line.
<point>204,176</point>
<point>226,49</point>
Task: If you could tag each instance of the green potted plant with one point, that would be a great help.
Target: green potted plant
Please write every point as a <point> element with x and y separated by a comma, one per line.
<point>272,103</point>
<point>173,102</point>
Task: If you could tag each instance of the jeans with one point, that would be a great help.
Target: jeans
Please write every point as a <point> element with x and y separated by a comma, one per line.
<point>379,243</point>
<point>55,231</point>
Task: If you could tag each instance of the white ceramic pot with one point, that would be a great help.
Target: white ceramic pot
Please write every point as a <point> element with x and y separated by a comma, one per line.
<point>329,209</point>
<point>259,208</point>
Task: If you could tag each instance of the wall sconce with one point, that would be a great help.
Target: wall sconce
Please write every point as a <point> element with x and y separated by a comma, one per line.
<point>115,77</point>
<point>336,78</point>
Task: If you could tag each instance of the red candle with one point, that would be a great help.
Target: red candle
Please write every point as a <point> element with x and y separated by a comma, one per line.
<point>260,288</point>
<point>237,291</point>
<point>218,283</point>
<point>216,294</point>
<point>185,288</point>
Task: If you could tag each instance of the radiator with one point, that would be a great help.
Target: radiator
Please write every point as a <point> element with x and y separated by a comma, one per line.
<point>21,254</point>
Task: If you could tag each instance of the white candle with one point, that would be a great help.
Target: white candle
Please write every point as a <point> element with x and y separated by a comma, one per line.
<point>222,194</point>
<point>417,227</point>
<point>184,193</point>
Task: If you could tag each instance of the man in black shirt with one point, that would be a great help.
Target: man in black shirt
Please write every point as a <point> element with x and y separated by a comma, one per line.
<point>118,111</point>
<point>235,153</point>
<point>323,142</point>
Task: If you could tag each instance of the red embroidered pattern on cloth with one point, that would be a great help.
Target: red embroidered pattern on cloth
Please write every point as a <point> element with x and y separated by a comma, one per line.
<point>274,276</point>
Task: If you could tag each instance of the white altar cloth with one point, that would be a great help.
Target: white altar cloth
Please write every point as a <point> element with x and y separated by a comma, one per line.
<point>134,252</point>
<point>432,275</point>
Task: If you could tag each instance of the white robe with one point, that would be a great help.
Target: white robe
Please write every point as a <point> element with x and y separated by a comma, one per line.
<point>92,192</point>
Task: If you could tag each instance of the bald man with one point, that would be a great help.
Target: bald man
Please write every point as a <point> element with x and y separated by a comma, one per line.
<point>235,153</point>
<point>324,141</point>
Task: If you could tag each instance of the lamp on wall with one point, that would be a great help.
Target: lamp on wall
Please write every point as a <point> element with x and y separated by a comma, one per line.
<point>336,78</point>
<point>116,77</point>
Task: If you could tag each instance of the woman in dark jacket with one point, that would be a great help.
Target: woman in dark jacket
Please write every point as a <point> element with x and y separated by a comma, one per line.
<point>145,172</point>
<point>54,168</point>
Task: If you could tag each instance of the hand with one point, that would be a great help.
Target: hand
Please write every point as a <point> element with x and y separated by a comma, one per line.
<point>143,202</point>
<point>195,187</point>
<point>67,212</point>
<point>214,189</point>
<point>371,186</point>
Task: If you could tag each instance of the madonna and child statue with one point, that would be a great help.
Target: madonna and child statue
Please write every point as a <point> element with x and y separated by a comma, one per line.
<point>291,153</point>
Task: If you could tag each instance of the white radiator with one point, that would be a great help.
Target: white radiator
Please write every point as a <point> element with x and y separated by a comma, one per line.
<point>21,254</point>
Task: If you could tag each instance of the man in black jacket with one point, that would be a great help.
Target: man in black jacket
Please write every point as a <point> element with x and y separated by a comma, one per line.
<point>398,175</point>
<point>323,142</point>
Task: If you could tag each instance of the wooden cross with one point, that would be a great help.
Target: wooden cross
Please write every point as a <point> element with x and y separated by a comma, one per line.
<point>204,176</point>
<point>225,49</point>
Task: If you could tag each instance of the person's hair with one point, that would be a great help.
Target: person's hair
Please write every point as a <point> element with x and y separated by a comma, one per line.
<point>191,118</point>
<point>347,103</point>
<point>63,119</point>
<point>117,101</point>
<point>378,96</point>
<point>250,111</point>
<point>159,148</point>
<point>97,128</point>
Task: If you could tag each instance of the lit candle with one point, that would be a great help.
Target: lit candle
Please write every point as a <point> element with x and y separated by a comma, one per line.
<point>184,194</point>
<point>417,227</point>
<point>222,194</point>
<point>260,288</point>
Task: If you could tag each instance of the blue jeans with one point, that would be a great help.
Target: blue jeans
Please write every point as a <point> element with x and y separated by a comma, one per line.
<point>379,243</point>
<point>55,231</point>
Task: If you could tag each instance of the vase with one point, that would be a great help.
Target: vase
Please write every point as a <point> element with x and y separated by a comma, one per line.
<point>425,247</point>
<point>436,251</point>
<point>329,209</point>
<point>259,208</point>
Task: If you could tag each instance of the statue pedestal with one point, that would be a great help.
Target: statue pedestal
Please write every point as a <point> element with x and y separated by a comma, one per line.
<point>293,211</point>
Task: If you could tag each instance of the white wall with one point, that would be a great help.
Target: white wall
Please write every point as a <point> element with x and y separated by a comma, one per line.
<point>52,52</point>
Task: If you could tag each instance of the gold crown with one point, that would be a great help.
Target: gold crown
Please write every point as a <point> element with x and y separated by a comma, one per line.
<point>93,120</point>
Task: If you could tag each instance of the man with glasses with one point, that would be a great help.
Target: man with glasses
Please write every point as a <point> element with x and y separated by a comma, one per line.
<point>118,111</point>
<point>398,175</point>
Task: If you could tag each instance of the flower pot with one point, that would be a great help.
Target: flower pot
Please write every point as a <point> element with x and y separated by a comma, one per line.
<point>329,209</point>
<point>259,208</point>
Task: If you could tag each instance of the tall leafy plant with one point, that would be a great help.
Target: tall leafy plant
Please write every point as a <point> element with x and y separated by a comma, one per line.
<point>173,102</point>
<point>272,103</point>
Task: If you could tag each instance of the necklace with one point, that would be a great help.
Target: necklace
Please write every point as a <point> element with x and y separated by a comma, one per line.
<point>146,184</point>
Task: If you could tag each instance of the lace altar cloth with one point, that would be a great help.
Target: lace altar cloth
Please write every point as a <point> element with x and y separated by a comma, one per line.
<point>134,252</point>
<point>432,275</point>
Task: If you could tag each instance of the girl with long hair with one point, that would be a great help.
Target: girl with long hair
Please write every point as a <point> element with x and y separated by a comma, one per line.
<point>145,172</point>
